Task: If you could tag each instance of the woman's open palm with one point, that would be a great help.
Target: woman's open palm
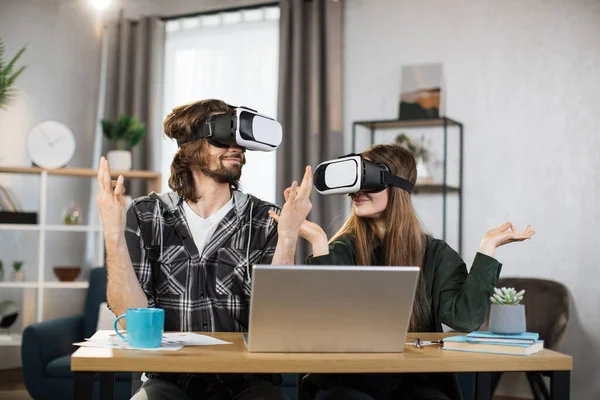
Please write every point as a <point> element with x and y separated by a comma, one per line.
<point>507,233</point>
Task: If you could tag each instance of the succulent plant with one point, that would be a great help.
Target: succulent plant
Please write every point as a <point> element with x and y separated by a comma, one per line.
<point>507,296</point>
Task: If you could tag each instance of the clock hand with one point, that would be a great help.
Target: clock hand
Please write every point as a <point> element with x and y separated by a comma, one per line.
<point>46,137</point>
<point>57,140</point>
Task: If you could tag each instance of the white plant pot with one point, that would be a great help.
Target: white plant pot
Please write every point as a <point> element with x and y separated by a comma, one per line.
<point>18,276</point>
<point>507,319</point>
<point>119,160</point>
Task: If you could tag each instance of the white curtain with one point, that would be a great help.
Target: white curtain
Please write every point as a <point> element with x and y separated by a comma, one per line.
<point>232,56</point>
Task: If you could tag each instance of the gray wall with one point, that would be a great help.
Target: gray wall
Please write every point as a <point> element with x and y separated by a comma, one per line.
<point>523,77</point>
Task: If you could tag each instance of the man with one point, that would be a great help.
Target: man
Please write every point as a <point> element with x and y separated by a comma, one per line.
<point>189,251</point>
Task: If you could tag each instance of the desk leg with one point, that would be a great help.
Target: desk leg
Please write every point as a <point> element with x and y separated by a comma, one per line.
<point>107,386</point>
<point>483,389</point>
<point>83,385</point>
<point>560,385</point>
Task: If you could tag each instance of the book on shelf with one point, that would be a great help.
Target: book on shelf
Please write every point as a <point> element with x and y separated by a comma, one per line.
<point>460,343</point>
<point>490,337</point>
<point>8,202</point>
<point>9,217</point>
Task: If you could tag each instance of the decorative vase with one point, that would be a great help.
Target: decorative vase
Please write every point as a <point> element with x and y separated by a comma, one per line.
<point>119,160</point>
<point>72,214</point>
<point>18,276</point>
<point>507,319</point>
<point>423,175</point>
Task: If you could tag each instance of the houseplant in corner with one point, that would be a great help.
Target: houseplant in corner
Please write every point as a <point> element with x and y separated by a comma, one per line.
<point>126,132</point>
<point>507,316</point>
<point>8,75</point>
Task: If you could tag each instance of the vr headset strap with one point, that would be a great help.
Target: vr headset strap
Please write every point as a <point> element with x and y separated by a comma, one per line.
<point>398,182</point>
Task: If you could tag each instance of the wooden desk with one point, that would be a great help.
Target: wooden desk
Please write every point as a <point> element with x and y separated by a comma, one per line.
<point>235,358</point>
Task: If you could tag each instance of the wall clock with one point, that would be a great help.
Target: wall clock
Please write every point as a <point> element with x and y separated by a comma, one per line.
<point>50,144</point>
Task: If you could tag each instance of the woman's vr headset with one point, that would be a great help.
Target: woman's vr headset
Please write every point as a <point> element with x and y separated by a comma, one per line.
<point>240,126</point>
<point>353,173</point>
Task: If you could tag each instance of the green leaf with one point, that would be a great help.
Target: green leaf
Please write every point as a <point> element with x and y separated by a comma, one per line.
<point>11,63</point>
<point>107,128</point>
<point>127,131</point>
<point>499,299</point>
<point>8,77</point>
<point>1,52</point>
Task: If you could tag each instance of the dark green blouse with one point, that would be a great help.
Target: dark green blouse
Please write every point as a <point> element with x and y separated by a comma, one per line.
<point>458,299</point>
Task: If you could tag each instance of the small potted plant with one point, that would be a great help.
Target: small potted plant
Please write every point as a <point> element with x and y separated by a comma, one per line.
<point>507,316</point>
<point>18,274</point>
<point>421,155</point>
<point>126,133</point>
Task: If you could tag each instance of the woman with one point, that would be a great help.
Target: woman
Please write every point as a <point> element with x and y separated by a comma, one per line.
<point>383,229</point>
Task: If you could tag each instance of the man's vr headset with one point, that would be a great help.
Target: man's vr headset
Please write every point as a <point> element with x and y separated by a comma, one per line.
<point>353,173</point>
<point>240,126</point>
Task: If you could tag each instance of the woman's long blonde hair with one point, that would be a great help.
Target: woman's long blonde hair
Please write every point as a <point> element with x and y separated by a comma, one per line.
<point>404,240</point>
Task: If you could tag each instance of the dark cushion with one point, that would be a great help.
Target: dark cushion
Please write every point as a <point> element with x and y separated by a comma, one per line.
<point>95,296</point>
<point>61,368</point>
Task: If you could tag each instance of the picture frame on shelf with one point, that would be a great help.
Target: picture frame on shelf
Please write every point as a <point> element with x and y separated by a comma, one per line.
<point>422,92</point>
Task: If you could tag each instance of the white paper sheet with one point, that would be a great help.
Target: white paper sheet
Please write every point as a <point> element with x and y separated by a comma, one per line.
<point>171,341</point>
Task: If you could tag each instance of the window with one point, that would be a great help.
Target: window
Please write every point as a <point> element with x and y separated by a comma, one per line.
<point>233,56</point>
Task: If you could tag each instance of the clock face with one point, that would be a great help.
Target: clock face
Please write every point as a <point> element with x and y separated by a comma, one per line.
<point>51,144</point>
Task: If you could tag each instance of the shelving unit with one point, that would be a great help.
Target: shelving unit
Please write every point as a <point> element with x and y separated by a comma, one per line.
<point>444,189</point>
<point>13,340</point>
<point>153,180</point>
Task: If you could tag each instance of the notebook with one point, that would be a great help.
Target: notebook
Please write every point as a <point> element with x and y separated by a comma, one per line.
<point>460,343</point>
<point>521,338</point>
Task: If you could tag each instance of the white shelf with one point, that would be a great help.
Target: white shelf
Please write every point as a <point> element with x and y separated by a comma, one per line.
<point>55,228</point>
<point>46,285</point>
<point>18,284</point>
<point>13,340</point>
<point>73,228</point>
<point>65,285</point>
<point>19,227</point>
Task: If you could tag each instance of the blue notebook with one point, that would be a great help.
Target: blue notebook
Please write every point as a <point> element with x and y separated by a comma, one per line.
<point>460,343</point>
<point>489,337</point>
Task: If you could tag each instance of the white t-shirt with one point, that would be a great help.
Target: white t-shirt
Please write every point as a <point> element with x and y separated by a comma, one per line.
<point>203,228</point>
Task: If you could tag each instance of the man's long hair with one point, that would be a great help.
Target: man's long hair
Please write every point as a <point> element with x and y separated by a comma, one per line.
<point>181,123</point>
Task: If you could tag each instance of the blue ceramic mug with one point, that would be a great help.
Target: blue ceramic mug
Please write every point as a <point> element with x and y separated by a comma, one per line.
<point>144,327</point>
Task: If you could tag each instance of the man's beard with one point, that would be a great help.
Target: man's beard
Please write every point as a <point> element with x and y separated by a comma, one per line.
<point>224,174</point>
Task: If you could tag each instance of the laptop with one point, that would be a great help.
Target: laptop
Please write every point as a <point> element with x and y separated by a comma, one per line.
<point>313,309</point>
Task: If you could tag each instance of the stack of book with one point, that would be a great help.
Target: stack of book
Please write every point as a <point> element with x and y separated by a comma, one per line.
<point>10,210</point>
<point>522,344</point>
<point>8,201</point>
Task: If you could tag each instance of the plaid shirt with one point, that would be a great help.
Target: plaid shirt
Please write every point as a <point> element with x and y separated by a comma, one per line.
<point>207,292</point>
